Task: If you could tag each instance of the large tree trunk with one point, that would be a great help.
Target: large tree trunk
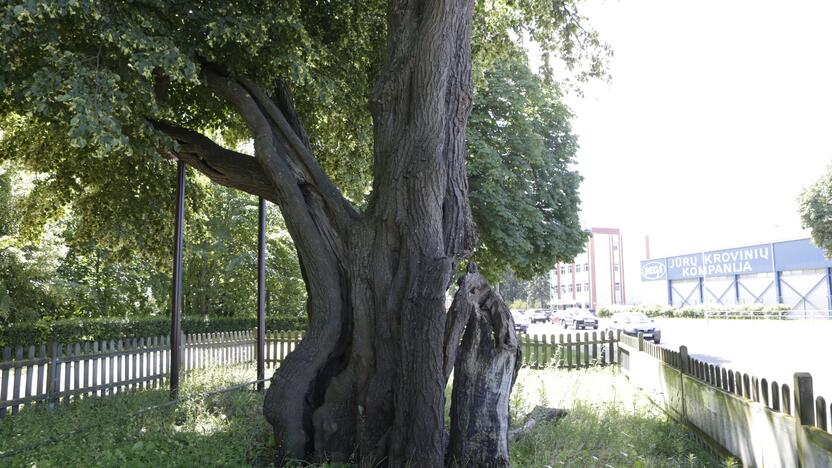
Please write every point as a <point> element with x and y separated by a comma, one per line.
<point>368,379</point>
<point>372,376</point>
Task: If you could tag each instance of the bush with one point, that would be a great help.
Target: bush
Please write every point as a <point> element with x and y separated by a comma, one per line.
<point>698,311</point>
<point>75,330</point>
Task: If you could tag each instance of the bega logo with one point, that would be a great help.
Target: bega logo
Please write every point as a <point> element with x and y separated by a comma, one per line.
<point>652,270</point>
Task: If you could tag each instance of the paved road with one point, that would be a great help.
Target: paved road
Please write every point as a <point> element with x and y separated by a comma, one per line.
<point>769,349</point>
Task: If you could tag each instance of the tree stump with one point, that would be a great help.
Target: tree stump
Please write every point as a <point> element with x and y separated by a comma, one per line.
<point>485,369</point>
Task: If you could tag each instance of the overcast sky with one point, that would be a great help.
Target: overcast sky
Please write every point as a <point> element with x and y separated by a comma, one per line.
<point>716,117</point>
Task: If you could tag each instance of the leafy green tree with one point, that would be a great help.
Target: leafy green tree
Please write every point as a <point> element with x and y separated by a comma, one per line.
<point>220,262</point>
<point>532,293</point>
<point>77,277</point>
<point>816,211</point>
<point>25,292</point>
<point>357,115</point>
<point>523,188</point>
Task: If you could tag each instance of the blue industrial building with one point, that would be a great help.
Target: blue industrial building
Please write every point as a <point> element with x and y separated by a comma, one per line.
<point>795,273</point>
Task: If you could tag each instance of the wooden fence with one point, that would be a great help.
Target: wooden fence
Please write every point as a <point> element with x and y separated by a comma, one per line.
<point>58,373</point>
<point>761,422</point>
<point>568,350</point>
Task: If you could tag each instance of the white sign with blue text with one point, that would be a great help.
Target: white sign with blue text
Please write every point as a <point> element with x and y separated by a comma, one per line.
<point>739,261</point>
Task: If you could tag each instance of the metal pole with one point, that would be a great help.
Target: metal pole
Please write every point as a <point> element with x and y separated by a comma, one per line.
<point>829,291</point>
<point>176,296</point>
<point>261,294</point>
<point>778,289</point>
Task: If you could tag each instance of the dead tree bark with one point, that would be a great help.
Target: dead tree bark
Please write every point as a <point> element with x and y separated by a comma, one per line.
<point>484,374</point>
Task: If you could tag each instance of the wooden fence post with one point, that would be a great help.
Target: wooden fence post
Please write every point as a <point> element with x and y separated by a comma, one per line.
<point>684,369</point>
<point>640,341</point>
<point>804,399</point>
<point>182,350</point>
<point>612,344</point>
<point>53,378</point>
<point>683,357</point>
<point>804,411</point>
<point>820,409</point>
<point>4,380</point>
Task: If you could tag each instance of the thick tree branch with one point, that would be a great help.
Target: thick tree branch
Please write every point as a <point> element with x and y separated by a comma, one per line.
<point>221,165</point>
<point>319,232</point>
<point>420,104</point>
<point>286,124</point>
<point>300,149</point>
<point>282,96</point>
<point>270,153</point>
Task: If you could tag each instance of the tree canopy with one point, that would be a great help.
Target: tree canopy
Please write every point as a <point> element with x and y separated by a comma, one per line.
<point>524,192</point>
<point>83,82</point>
<point>523,294</point>
<point>64,274</point>
<point>357,115</point>
<point>816,211</point>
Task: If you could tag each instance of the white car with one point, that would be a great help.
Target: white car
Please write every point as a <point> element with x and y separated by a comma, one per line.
<point>539,315</point>
<point>633,323</point>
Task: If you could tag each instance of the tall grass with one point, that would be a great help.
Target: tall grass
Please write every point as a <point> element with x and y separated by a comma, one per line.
<point>610,423</point>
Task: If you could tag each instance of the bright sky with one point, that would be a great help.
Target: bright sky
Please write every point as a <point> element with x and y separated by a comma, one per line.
<point>717,116</point>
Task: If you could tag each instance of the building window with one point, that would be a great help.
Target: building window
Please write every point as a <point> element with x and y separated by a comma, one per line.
<point>563,270</point>
<point>569,269</point>
<point>615,267</point>
<point>618,286</point>
<point>586,266</point>
<point>578,287</point>
<point>570,288</point>
<point>586,286</point>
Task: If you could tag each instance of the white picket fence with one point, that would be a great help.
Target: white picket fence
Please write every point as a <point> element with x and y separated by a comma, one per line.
<point>58,373</point>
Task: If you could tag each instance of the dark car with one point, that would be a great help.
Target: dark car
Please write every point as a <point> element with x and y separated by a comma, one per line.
<point>633,323</point>
<point>579,319</point>
<point>521,321</point>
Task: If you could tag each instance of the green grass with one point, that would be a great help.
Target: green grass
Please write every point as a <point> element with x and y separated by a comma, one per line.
<point>221,430</point>
<point>610,423</point>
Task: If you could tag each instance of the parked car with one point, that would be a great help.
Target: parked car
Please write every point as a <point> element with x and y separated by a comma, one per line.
<point>633,323</point>
<point>521,321</point>
<point>539,315</point>
<point>559,316</point>
<point>576,318</point>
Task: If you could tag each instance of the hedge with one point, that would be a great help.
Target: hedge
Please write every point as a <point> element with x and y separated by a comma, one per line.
<point>78,330</point>
<point>722,311</point>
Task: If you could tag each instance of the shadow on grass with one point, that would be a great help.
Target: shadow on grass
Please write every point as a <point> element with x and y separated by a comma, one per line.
<point>220,430</point>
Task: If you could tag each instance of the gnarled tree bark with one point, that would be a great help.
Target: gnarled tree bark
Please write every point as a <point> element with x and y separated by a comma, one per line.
<point>484,373</point>
<point>368,380</point>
